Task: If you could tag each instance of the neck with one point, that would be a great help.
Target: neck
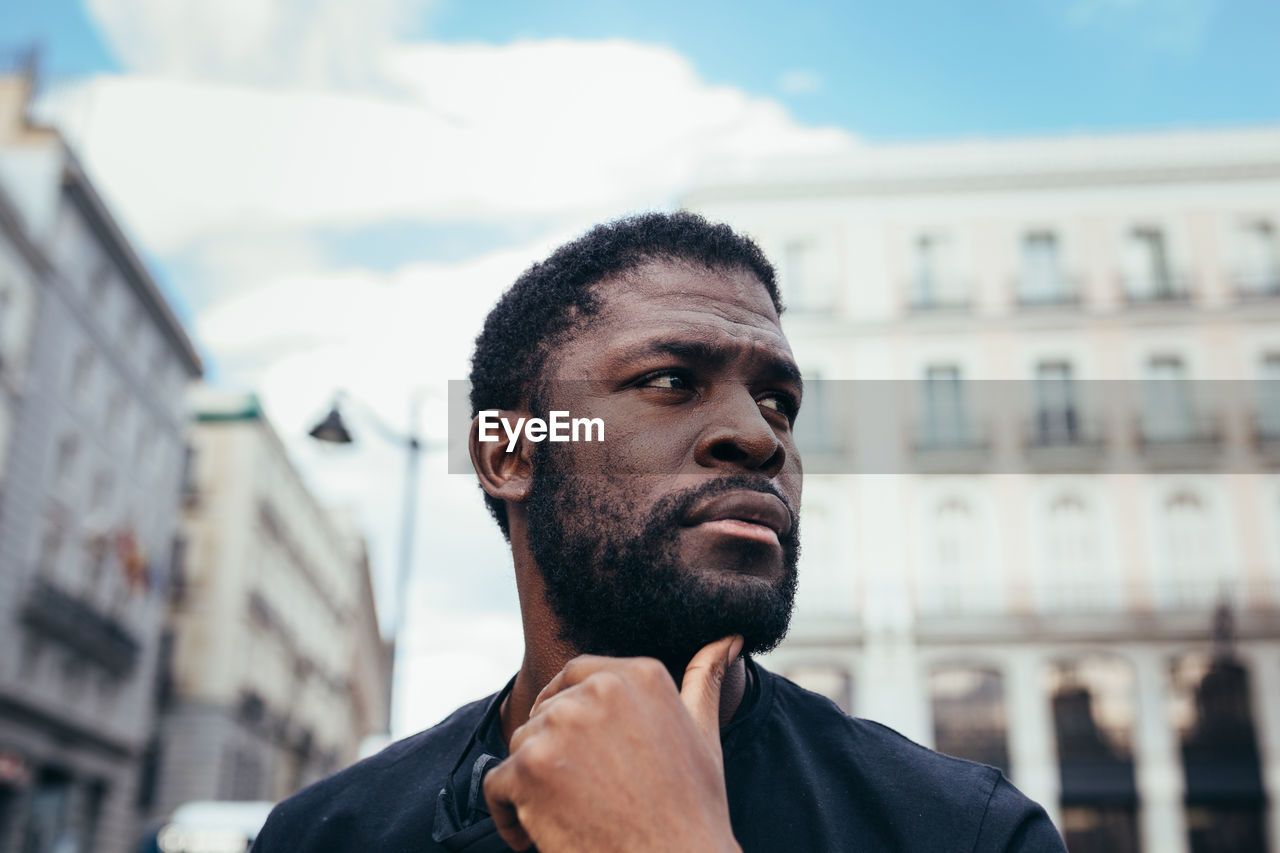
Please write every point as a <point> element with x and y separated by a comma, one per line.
<point>538,670</point>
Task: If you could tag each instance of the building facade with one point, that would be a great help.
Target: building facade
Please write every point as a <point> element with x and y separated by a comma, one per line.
<point>1060,554</point>
<point>89,501</point>
<point>23,266</point>
<point>276,670</point>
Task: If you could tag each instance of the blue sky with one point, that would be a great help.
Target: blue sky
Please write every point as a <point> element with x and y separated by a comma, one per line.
<point>883,70</point>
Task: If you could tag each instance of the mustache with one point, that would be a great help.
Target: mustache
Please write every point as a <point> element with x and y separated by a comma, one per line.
<point>682,502</point>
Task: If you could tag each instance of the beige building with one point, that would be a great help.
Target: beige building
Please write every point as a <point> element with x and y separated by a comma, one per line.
<point>277,669</point>
<point>1040,444</point>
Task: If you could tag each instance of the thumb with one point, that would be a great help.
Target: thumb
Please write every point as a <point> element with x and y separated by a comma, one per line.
<point>700,689</point>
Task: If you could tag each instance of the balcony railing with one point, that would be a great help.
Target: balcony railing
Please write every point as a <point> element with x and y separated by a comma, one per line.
<point>1257,285</point>
<point>1171,289</point>
<point>1062,440</point>
<point>951,448</point>
<point>73,622</point>
<point>1061,291</point>
<point>941,296</point>
<point>1189,441</point>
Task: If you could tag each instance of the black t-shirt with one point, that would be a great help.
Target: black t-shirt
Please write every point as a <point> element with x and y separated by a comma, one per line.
<point>801,776</point>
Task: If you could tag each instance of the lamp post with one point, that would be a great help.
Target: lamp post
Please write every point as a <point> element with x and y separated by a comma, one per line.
<point>333,430</point>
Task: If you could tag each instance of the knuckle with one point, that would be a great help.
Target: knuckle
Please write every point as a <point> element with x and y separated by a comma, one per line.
<point>650,672</point>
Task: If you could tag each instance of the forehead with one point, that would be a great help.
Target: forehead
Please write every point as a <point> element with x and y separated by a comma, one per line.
<point>674,299</point>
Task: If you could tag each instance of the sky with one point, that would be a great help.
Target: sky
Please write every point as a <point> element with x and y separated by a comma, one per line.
<point>333,194</point>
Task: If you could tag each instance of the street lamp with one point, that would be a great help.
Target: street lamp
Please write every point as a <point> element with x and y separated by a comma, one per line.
<point>333,430</point>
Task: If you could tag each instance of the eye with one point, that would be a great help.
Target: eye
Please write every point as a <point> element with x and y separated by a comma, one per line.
<point>670,380</point>
<point>784,404</point>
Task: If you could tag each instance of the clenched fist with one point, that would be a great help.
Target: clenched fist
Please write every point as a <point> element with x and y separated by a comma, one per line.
<point>614,758</point>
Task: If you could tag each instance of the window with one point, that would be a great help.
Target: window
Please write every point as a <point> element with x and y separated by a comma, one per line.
<point>1194,575</point>
<point>65,459</point>
<point>1168,412</point>
<point>1269,397</point>
<point>48,813</point>
<point>945,414</point>
<point>81,370</point>
<point>115,413</point>
<point>1258,271</point>
<point>1093,720</point>
<point>1211,707</point>
<point>957,577</point>
<point>1057,418</point>
<point>816,427</point>
<point>934,280</point>
<point>807,275</point>
<point>55,531</point>
<point>969,714</point>
<point>1148,276</point>
<point>103,483</point>
<point>1073,561</point>
<point>1042,281</point>
<point>99,281</point>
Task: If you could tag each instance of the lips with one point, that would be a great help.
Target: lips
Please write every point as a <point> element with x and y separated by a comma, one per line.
<point>742,512</point>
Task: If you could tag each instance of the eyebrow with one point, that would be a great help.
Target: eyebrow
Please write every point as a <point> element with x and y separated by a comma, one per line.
<point>704,353</point>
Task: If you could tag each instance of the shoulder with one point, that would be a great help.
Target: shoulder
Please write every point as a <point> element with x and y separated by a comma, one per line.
<point>385,797</point>
<point>926,799</point>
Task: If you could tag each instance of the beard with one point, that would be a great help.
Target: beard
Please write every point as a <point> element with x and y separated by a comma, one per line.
<point>620,589</point>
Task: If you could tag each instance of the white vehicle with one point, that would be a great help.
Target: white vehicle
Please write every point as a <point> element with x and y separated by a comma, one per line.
<point>213,827</point>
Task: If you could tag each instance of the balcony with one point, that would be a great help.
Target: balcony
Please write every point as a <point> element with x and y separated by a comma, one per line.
<point>76,624</point>
<point>1261,285</point>
<point>1061,441</point>
<point>1266,437</point>
<point>1061,291</point>
<point>1186,442</point>
<point>1171,289</point>
<point>956,448</point>
<point>946,296</point>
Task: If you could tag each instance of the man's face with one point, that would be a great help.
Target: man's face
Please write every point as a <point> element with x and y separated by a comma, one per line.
<point>681,527</point>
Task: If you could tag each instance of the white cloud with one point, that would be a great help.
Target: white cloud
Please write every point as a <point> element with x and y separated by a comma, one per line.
<point>535,131</point>
<point>309,43</point>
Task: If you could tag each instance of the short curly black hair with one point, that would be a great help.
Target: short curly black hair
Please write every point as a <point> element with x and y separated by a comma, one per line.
<point>558,295</point>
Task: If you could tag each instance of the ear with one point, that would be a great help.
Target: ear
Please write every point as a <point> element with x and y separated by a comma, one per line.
<point>504,475</point>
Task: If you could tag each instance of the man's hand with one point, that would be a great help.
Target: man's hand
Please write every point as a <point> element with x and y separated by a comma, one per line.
<point>614,758</point>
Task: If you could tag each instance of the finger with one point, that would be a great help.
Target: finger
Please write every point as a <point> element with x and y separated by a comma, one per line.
<point>700,689</point>
<point>575,672</point>
<point>498,793</point>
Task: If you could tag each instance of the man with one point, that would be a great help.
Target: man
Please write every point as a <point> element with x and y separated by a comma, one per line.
<point>650,567</point>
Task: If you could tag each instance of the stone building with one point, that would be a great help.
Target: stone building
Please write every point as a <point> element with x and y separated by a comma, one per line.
<point>89,500</point>
<point>1060,551</point>
<point>276,670</point>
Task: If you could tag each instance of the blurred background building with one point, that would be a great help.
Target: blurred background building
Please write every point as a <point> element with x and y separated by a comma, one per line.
<point>1083,586</point>
<point>185,621</point>
<point>94,379</point>
<point>276,669</point>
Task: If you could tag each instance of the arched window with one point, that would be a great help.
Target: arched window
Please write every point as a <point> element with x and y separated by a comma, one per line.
<point>969,718</point>
<point>1193,573</point>
<point>1212,712</point>
<point>958,579</point>
<point>1074,577</point>
<point>827,583</point>
<point>1093,720</point>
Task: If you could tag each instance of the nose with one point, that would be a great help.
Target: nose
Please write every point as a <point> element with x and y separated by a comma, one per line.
<point>738,435</point>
